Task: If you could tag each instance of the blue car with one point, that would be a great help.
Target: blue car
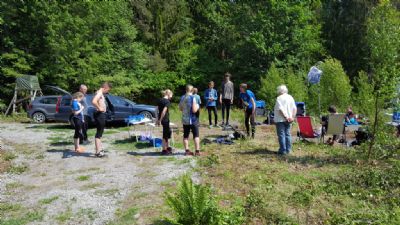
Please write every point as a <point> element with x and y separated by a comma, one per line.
<point>119,108</point>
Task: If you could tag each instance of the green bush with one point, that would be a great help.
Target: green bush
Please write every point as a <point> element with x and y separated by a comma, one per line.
<point>363,97</point>
<point>335,88</point>
<point>278,76</point>
<point>193,204</point>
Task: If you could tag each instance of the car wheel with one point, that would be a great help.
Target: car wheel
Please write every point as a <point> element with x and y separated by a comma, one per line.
<point>146,114</point>
<point>39,117</point>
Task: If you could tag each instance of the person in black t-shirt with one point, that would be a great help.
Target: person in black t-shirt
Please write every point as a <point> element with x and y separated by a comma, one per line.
<point>163,119</point>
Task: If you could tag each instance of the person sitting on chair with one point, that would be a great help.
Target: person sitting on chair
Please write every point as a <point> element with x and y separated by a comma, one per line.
<point>324,121</point>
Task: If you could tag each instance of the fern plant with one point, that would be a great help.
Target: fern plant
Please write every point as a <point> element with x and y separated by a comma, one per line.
<point>193,204</point>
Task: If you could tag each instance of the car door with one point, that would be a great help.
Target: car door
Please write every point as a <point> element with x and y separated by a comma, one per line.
<point>49,105</point>
<point>121,108</point>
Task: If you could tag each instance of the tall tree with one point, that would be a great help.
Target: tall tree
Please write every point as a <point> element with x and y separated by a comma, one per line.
<point>344,30</point>
<point>383,38</point>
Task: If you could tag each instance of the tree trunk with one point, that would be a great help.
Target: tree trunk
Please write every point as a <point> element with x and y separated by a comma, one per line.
<point>375,126</point>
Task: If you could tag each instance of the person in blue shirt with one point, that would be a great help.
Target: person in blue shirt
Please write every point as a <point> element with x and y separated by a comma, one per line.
<point>249,101</point>
<point>78,118</point>
<point>211,96</point>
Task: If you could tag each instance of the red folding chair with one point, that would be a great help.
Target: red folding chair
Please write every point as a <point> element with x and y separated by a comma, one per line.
<point>306,130</point>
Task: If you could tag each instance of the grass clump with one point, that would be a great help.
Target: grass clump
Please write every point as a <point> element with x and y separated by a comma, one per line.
<point>47,201</point>
<point>18,169</point>
<point>8,156</point>
<point>83,178</point>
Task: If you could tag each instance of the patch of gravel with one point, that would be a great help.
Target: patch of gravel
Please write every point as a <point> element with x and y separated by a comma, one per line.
<point>80,184</point>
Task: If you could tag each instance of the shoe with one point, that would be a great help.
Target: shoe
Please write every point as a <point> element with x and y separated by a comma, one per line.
<point>166,152</point>
<point>86,142</point>
<point>211,126</point>
<point>188,153</point>
<point>197,153</point>
<point>100,154</point>
<point>169,149</point>
<point>217,126</point>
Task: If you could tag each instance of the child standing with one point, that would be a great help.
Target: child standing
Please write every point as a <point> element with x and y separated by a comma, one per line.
<point>78,118</point>
<point>249,101</point>
<point>163,119</point>
<point>211,96</point>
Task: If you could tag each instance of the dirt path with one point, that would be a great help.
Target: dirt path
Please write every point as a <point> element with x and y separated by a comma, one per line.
<point>62,187</point>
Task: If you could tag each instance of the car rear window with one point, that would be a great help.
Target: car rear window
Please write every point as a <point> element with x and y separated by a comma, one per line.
<point>49,101</point>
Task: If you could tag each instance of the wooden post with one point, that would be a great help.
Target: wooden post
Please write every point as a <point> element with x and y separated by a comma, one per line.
<point>12,103</point>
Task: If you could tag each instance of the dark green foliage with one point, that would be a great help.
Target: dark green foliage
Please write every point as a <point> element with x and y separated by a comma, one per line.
<point>344,29</point>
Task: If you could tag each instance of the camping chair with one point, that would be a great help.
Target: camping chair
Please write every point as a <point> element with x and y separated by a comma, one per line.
<point>306,130</point>
<point>335,125</point>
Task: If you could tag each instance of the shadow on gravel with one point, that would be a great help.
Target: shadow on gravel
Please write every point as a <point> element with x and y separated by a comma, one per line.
<point>60,143</point>
<point>68,153</point>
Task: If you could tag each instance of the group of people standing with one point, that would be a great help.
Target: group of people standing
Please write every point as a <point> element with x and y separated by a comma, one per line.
<point>80,117</point>
<point>189,105</point>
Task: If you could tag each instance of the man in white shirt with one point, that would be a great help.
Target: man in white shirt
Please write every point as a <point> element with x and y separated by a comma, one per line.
<point>285,112</point>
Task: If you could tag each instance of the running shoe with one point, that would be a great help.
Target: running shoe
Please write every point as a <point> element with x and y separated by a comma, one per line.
<point>197,153</point>
<point>100,154</point>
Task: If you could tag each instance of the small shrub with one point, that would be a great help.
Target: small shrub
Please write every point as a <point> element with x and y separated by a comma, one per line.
<point>193,204</point>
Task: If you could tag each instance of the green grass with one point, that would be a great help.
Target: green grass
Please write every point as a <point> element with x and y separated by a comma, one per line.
<point>317,185</point>
<point>18,169</point>
<point>64,216</point>
<point>14,185</point>
<point>28,217</point>
<point>88,212</point>
<point>47,201</point>
<point>125,217</point>
<point>8,156</point>
<point>83,178</point>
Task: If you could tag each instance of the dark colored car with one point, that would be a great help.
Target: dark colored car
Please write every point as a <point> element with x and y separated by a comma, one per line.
<point>43,108</point>
<point>119,108</point>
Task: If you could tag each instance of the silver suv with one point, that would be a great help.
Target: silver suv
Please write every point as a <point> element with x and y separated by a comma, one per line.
<point>43,108</point>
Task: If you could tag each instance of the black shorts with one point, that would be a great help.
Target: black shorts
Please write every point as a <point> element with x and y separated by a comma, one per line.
<point>166,130</point>
<point>100,118</point>
<point>193,128</point>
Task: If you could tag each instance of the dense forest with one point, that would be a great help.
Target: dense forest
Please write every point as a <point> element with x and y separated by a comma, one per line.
<point>145,46</point>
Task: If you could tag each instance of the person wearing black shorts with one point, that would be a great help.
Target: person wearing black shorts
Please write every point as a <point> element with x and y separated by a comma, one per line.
<point>100,116</point>
<point>190,121</point>
<point>163,119</point>
<point>78,118</point>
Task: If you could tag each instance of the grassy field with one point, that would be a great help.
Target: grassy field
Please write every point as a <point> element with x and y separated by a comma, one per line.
<point>316,184</point>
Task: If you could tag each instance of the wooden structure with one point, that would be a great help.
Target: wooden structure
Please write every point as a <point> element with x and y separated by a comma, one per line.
<point>28,84</point>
